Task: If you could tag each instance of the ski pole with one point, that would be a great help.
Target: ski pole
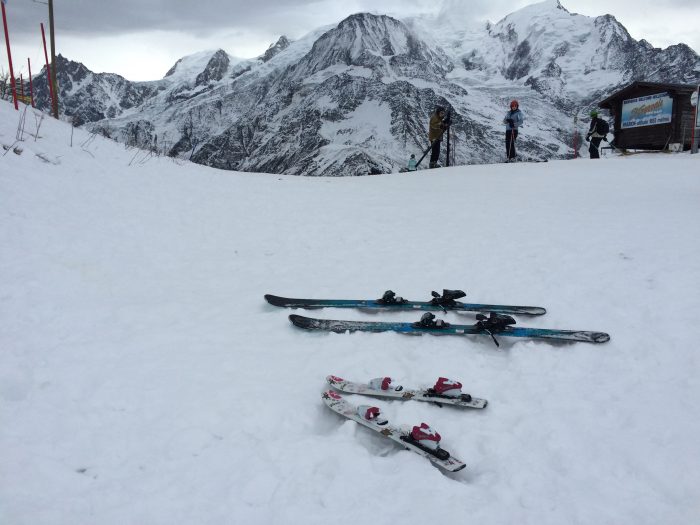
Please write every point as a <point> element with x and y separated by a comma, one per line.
<point>429,148</point>
<point>492,336</point>
<point>510,147</point>
<point>425,153</point>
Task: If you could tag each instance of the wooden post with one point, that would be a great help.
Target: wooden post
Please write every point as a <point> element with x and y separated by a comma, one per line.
<point>9,54</point>
<point>54,102</point>
<point>31,86</point>
<point>48,66</point>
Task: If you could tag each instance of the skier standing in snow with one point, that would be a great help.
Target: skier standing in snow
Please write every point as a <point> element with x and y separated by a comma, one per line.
<point>412,163</point>
<point>437,128</point>
<point>513,120</point>
<point>596,133</point>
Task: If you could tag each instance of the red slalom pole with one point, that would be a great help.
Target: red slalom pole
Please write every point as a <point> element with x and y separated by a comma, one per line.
<point>31,86</point>
<point>9,54</point>
<point>48,67</point>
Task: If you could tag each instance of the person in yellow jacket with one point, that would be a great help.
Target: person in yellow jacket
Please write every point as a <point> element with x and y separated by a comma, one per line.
<point>437,127</point>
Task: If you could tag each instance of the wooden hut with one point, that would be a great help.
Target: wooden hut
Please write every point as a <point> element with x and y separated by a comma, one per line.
<point>652,115</point>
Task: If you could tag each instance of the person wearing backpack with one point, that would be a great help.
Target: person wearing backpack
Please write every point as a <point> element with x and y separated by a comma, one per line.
<point>596,133</point>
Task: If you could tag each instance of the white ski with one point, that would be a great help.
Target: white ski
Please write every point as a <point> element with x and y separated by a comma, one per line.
<point>439,456</point>
<point>392,392</point>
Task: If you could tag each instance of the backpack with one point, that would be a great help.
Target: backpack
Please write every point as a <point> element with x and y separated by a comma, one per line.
<point>603,128</point>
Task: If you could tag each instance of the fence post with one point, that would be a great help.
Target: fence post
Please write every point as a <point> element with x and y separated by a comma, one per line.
<point>31,86</point>
<point>9,53</point>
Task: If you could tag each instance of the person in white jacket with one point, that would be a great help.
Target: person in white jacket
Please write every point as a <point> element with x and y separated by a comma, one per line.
<point>513,120</point>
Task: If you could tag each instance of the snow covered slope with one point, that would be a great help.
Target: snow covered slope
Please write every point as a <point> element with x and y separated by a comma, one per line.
<point>143,379</point>
<point>354,98</point>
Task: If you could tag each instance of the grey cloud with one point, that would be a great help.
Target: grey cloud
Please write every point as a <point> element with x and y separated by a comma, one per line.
<point>106,18</point>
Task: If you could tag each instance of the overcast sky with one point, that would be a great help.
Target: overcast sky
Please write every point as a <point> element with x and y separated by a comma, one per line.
<point>142,39</point>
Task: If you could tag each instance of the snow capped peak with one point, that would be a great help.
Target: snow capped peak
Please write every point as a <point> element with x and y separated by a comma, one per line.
<point>551,4</point>
<point>375,33</point>
<point>549,10</point>
<point>359,19</point>
<point>377,43</point>
<point>274,49</point>
<point>215,69</point>
<point>545,7</point>
<point>192,65</point>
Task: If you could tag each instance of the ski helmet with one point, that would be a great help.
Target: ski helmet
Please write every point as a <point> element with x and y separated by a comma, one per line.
<point>594,113</point>
<point>514,104</point>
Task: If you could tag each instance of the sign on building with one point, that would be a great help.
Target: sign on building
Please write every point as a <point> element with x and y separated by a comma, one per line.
<point>647,111</point>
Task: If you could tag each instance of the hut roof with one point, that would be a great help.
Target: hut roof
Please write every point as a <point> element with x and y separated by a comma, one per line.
<point>674,88</point>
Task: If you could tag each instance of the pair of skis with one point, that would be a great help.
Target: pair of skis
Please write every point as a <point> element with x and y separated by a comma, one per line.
<point>422,439</point>
<point>497,323</point>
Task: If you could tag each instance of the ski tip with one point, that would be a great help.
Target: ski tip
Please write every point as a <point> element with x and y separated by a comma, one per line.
<point>600,337</point>
<point>301,321</point>
<point>274,300</point>
<point>331,395</point>
<point>297,320</point>
<point>523,310</point>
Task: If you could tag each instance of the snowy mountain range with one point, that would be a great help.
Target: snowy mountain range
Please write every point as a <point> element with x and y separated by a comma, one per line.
<point>354,99</point>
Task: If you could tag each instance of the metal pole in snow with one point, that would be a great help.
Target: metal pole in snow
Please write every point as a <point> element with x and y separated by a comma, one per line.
<point>9,54</point>
<point>48,66</point>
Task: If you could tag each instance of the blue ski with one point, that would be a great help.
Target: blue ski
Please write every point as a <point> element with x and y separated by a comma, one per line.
<point>495,325</point>
<point>444,302</point>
